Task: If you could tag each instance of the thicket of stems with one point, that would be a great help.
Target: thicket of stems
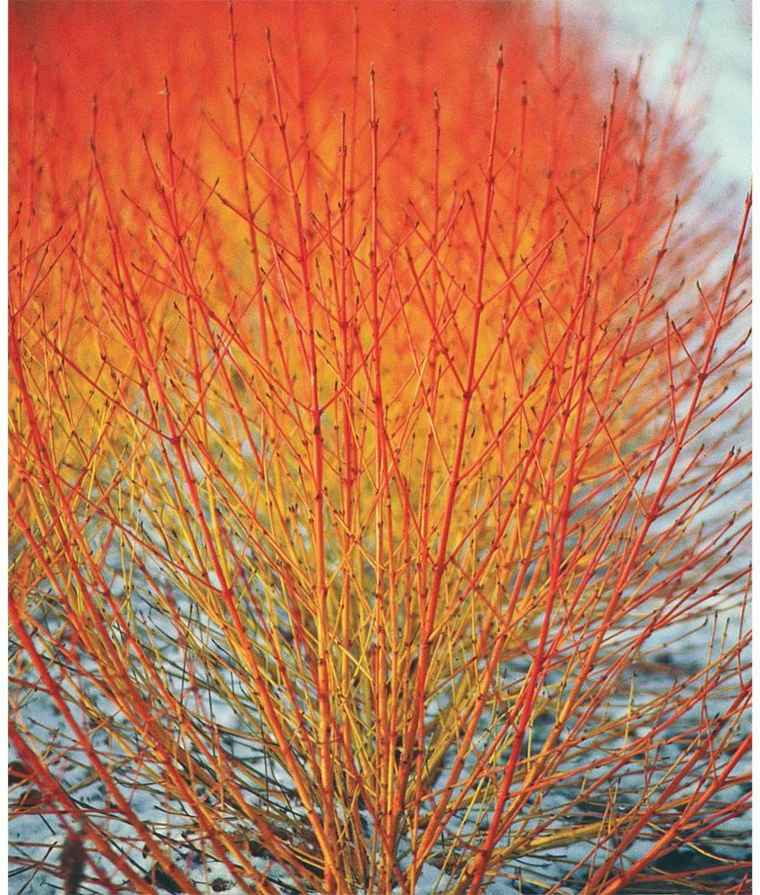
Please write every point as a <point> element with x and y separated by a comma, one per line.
<point>378,424</point>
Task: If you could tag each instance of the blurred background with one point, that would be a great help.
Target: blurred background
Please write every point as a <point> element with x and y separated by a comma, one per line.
<point>719,73</point>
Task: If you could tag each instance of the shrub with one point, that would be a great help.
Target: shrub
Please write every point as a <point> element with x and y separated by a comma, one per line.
<point>378,496</point>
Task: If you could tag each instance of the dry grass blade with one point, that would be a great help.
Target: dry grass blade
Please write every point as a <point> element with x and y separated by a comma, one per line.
<point>73,856</point>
